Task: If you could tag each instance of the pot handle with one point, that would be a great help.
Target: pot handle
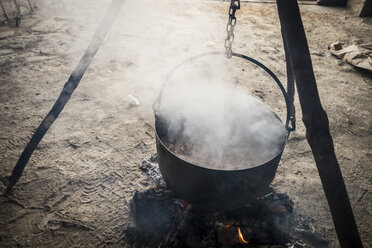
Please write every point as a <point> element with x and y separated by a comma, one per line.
<point>290,123</point>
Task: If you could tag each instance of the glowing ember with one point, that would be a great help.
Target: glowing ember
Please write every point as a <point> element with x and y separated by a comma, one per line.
<point>241,238</point>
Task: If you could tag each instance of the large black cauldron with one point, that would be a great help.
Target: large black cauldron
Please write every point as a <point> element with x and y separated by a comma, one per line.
<point>213,188</point>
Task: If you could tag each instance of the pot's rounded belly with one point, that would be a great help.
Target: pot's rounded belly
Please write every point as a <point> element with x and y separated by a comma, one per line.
<point>210,188</point>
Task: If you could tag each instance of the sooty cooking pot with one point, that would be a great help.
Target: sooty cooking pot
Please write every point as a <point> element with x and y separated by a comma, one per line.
<point>217,189</point>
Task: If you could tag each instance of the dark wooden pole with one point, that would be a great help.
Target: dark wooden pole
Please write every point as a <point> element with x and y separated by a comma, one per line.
<point>317,126</point>
<point>2,7</point>
<point>67,91</point>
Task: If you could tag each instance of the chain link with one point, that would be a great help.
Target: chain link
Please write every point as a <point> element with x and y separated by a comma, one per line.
<point>234,5</point>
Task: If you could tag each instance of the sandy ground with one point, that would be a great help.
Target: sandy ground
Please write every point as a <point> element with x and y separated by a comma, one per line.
<point>78,184</point>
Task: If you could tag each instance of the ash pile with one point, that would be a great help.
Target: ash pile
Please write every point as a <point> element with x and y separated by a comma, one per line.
<point>160,219</point>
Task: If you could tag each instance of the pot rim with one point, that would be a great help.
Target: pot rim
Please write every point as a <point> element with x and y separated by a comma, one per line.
<point>224,170</point>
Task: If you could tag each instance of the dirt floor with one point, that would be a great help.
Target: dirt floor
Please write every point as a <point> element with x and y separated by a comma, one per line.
<point>76,189</point>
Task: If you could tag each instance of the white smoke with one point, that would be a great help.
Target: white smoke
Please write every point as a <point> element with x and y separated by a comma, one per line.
<point>214,123</point>
<point>227,127</point>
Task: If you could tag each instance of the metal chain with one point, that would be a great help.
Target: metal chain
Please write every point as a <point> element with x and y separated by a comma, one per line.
<point>234,5</point>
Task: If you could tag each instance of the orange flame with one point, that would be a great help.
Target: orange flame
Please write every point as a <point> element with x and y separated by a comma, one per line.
<point>241,238</point>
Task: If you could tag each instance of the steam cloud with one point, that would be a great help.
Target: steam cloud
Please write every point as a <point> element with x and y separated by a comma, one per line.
<point>225,127</point>
<point>216,124</point>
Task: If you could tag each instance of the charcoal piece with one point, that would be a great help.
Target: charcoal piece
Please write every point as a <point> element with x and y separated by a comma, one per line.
<point>154,158</point>
<point>191,230</point>
<point>154,210</point>
<point>151,168</point>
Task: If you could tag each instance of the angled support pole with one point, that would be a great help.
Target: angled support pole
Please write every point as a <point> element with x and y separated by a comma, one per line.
<point>2,7</point>
<point>29,3</point>
<point>17,6</point>
<point>317,125</point>
<point>67,91</point>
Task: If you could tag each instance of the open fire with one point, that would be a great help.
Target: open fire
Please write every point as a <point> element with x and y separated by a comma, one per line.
<point>162,220</point>
<point>241,238</point>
